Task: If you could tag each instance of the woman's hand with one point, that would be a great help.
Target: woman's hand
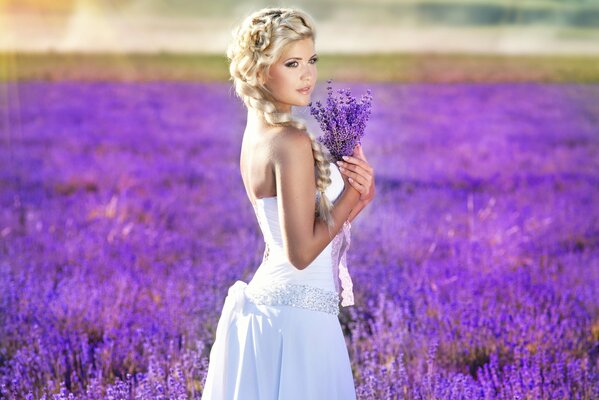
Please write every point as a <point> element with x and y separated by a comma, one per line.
<point>360,175</point>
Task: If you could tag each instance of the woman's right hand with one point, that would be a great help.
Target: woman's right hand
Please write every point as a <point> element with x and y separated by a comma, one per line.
<point>349,187</point>
<point>362,174</point>
<point>346,181</point>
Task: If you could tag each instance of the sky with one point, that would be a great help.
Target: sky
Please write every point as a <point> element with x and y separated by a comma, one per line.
<point>344,26</point>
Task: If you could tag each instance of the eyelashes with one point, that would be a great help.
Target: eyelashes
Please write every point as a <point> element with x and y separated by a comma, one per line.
<point>293,64</point>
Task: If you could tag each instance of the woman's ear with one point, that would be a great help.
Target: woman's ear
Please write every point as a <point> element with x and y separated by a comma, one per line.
<point>261,76</point>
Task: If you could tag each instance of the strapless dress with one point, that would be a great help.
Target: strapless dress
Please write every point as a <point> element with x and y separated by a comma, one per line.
<point>279,336</point>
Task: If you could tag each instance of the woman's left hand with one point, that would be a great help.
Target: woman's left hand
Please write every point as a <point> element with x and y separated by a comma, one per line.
<point>361,174</point>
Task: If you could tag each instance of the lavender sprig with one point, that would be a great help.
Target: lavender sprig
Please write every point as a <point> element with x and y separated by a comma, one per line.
<point>343,120</point>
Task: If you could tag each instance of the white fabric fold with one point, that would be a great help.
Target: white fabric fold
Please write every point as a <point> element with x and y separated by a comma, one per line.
<point>343,282</point>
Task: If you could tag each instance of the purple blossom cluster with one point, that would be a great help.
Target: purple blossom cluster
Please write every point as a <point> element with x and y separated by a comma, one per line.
<point>342,119</point>
<point>123,221</point>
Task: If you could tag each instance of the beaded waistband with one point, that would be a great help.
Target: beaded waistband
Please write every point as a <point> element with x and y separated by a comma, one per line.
<point>295,295</point>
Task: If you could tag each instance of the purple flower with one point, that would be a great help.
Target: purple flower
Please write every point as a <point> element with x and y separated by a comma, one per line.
<point>343,120</point>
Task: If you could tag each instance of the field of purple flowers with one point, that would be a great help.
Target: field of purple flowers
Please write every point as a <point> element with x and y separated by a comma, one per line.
<point>123,220</point>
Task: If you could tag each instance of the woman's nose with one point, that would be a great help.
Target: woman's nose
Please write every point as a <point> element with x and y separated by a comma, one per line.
<point>307,73</point>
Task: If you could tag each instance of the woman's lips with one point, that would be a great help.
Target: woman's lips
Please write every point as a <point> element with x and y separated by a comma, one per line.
<point>304,91</point>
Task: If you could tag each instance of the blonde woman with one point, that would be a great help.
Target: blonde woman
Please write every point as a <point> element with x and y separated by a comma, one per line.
<point>279,335</point>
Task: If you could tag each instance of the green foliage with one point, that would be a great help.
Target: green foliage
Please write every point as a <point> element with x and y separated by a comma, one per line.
<point>365,67</point>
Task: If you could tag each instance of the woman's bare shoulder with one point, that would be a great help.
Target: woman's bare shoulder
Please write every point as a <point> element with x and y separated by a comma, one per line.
<point>291,141</point>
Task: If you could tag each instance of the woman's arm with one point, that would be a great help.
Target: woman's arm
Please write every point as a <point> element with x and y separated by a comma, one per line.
<point>364,200</point>
<point>355,211</point>
<point>304,236</point>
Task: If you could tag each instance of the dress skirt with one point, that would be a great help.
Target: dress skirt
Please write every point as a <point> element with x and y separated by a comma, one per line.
<point>282,352</point>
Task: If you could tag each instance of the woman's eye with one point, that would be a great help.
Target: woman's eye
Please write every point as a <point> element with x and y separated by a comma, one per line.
<point>294,63</point>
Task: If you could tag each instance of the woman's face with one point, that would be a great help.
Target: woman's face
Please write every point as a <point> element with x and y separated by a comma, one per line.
<point>294,70</point>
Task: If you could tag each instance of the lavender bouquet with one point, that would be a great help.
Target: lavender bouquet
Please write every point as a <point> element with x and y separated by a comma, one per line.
<point>343,120</point>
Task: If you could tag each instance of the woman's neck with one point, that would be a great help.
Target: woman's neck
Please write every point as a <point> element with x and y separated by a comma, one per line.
<point>255,119</point>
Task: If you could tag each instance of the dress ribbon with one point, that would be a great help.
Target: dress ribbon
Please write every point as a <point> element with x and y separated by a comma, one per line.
<point>343,282</point>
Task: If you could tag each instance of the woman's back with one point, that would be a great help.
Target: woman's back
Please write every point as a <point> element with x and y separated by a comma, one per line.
<point>256,160</point>
<point>312,287</point>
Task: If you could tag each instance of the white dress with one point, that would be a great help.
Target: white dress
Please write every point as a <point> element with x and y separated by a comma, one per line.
<point>279,336</point>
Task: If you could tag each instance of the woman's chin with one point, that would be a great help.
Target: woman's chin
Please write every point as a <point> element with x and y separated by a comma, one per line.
<point>300,102</point>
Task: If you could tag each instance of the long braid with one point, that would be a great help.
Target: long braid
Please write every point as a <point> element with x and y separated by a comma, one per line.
<point>247,55</point>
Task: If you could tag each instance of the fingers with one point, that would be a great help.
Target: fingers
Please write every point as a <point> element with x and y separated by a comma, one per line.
<point>358,160</point>
<point>357,174</point>
<point>354,163</point>
<point>363,189</point>
<point>360,174</point>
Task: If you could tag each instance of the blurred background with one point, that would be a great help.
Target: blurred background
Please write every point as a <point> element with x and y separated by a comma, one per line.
<point>198,31</point>
<point>500,26</point>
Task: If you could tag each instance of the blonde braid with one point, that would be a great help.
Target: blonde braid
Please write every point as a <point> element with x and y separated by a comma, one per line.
<point>257,43</point>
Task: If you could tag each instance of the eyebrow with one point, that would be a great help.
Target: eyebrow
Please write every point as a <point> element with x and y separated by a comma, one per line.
<point>298,58</point>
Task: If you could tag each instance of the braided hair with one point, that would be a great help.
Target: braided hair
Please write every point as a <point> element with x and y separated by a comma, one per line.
<point>257,43</point>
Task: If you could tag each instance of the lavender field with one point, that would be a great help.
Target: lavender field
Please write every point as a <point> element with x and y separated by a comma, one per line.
<point>123,220</point>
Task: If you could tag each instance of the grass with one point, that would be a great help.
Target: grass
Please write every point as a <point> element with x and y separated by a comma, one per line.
<point>404,67</point>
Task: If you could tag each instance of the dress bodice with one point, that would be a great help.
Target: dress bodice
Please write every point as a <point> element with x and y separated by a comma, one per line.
<point>276,271</point>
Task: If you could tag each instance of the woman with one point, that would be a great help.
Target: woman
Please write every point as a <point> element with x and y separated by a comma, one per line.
<point>279,336</point>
